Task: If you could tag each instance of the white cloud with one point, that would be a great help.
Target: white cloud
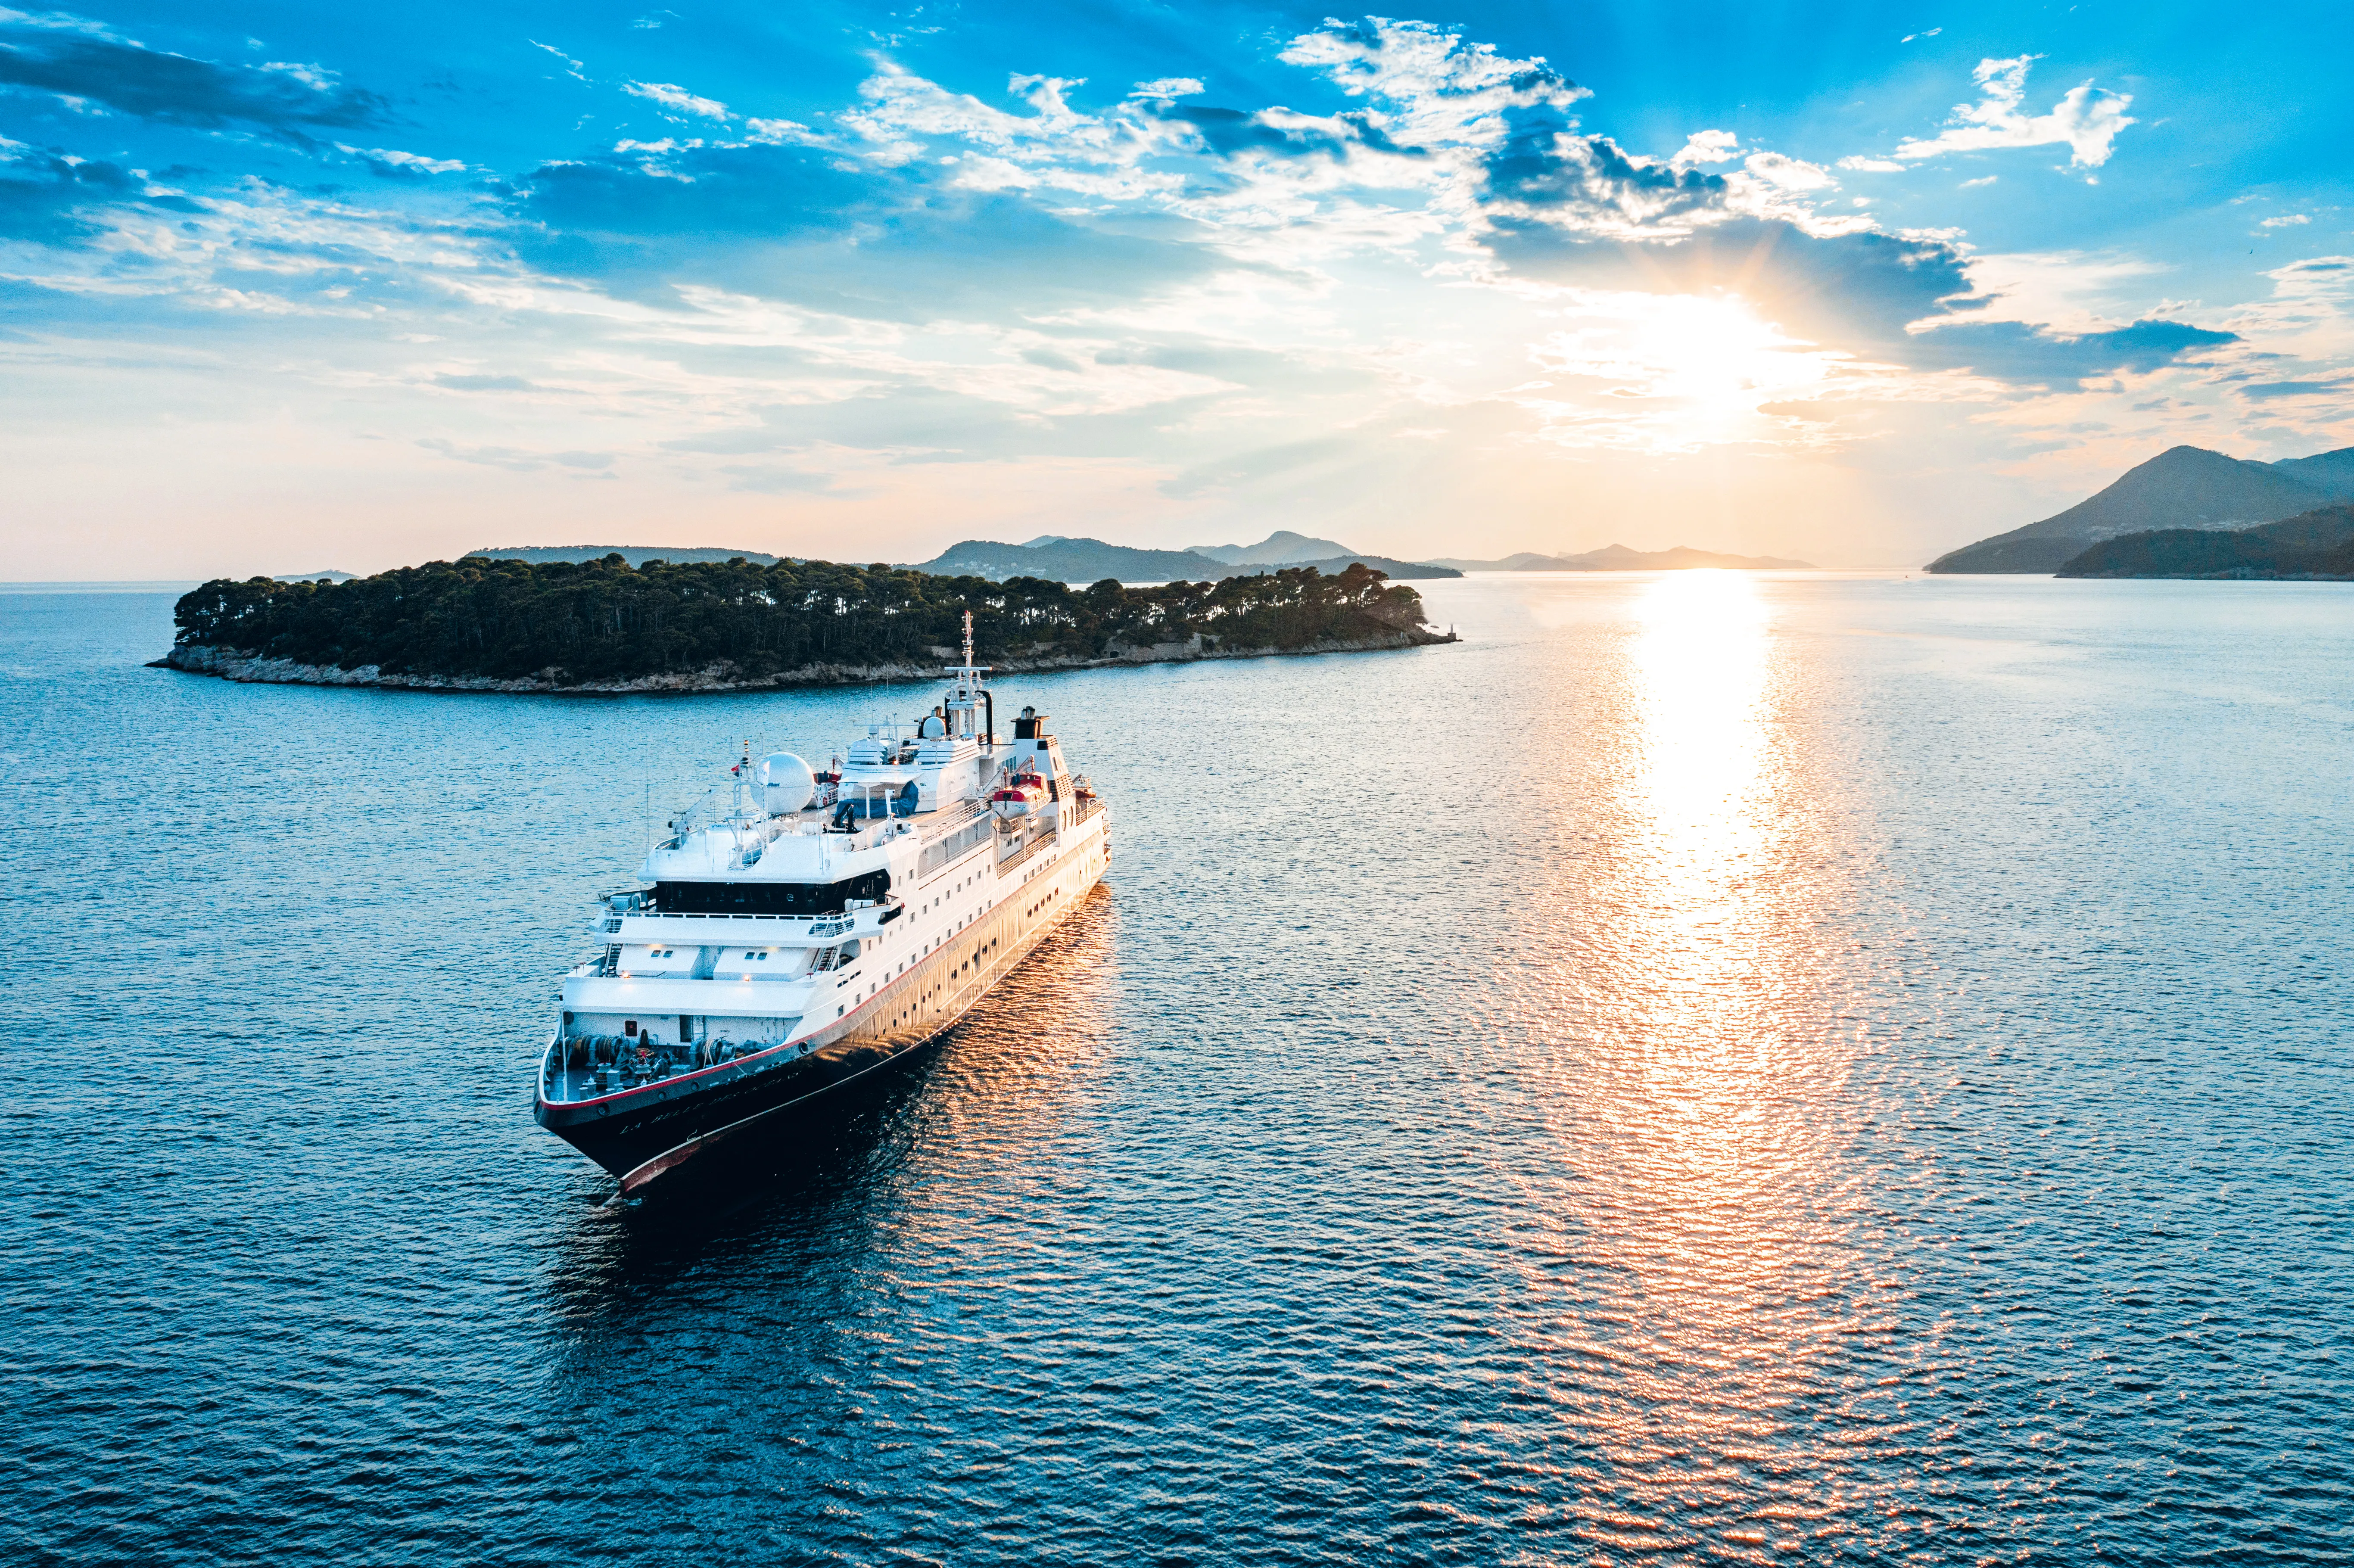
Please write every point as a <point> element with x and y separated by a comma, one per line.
<point>1930,34</point>
<point>1281,187</point>
<point>671,96</point>
<point>2069,291</point>
<point>1447,90</point>
<point>1705,147</point>
<point>2285,220</point>
<point>774,133</point>
<point>1441,87</point>
<point>400,160</point>
<point>572,67</point>
<point>1981,180</point>
<point>507,457</point>
<point>2087,118</point>
<point>1873,165</point>
<point>1788,173</point>
<point>900,104</point>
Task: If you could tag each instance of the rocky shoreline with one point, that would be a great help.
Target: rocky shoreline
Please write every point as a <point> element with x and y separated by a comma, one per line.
<point>199,659</point>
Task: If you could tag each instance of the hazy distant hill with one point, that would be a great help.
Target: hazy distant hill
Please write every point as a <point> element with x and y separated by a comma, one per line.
<point>1402,570</point>
<point>1060,559</point>
<point>1066,561</point>
<point>2313,544</point>
<point>2182,487</point>
<point>1619,559</point>
<point>636,555</point>
<point>2332,471</point>
<point>1283,548</point>
<point>327,577</point>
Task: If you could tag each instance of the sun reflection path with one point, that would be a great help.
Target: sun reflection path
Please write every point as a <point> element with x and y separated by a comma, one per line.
<point>1701,971</point>
<point>1685,1039</point>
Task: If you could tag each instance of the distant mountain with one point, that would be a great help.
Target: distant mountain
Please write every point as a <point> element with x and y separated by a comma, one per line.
<point>317,578</point>
<point>2332,471</point>
<point>636,555</point>
<point>1091,560</point>
<point>1281,548</point>
<point>2313,544</point>
<point>1619,559</point>
<point>2182,487</point>
<point>1399,570</point>
<point>1067,561</point>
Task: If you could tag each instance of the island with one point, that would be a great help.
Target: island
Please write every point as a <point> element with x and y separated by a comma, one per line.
<point>607,626</point>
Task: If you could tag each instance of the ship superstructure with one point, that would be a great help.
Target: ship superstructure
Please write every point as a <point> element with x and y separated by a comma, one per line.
<point>813,926</point>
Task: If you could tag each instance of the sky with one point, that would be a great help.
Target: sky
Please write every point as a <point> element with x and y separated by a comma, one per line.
<point>288,288</point>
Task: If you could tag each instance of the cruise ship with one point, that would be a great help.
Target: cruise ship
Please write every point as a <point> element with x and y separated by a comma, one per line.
<point>800,928</point>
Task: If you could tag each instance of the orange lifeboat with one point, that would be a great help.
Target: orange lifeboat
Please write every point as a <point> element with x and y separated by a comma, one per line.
<point>1019,797</point>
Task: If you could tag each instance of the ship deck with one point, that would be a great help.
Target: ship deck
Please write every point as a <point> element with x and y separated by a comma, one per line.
<point>581,1079</point>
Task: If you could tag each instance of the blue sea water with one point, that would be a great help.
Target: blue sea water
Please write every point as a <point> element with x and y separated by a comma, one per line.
<point>1710,1069</point>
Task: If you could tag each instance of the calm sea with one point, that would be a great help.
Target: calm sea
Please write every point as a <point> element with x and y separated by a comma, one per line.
<point>1710,1069</point>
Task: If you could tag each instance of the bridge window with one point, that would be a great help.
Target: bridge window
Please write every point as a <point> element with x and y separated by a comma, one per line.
<point>767,897</point>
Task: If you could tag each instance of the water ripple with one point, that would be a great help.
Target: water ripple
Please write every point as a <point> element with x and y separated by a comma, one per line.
<point>1714,1069</point>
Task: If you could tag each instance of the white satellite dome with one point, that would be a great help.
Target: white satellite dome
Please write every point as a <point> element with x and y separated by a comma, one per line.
<point>787,783</point>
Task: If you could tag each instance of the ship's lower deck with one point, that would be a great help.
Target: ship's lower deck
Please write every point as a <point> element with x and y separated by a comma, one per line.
<point>638,1126</point>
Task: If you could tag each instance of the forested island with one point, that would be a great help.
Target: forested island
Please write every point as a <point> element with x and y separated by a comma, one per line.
<point>2313,545</point>
<point>606,626</point>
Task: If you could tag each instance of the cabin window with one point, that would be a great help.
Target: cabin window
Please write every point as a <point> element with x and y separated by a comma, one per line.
<point>630,1026</point>
<point>767,897</point>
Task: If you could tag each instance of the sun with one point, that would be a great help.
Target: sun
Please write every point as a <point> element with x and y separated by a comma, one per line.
<point>1675,371</point>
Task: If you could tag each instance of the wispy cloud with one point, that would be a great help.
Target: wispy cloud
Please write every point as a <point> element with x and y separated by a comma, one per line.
<point>671,96</point>
<point>391,163</point>
<point>2086,119</point>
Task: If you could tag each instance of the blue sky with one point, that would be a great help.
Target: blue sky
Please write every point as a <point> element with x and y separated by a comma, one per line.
<point>282,289</point>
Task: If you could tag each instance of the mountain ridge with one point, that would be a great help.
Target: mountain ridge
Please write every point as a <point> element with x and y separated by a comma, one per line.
<point>1281,548</point>
<point>636,555</point>
<point>1617,557</point>
<point>2316,543</point>
<point>1092,560</point>
<point>2184,487</point>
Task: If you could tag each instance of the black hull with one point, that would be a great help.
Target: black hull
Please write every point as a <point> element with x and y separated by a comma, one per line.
<point>640,1134</point>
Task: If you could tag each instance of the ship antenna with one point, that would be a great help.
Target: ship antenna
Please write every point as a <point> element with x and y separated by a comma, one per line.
<point>968,640</point>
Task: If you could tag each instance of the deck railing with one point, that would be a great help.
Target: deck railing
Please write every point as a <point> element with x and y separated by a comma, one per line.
<point>954,838</point>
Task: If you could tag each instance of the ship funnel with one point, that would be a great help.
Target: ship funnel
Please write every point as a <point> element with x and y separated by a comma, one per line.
<point>787,783</point>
